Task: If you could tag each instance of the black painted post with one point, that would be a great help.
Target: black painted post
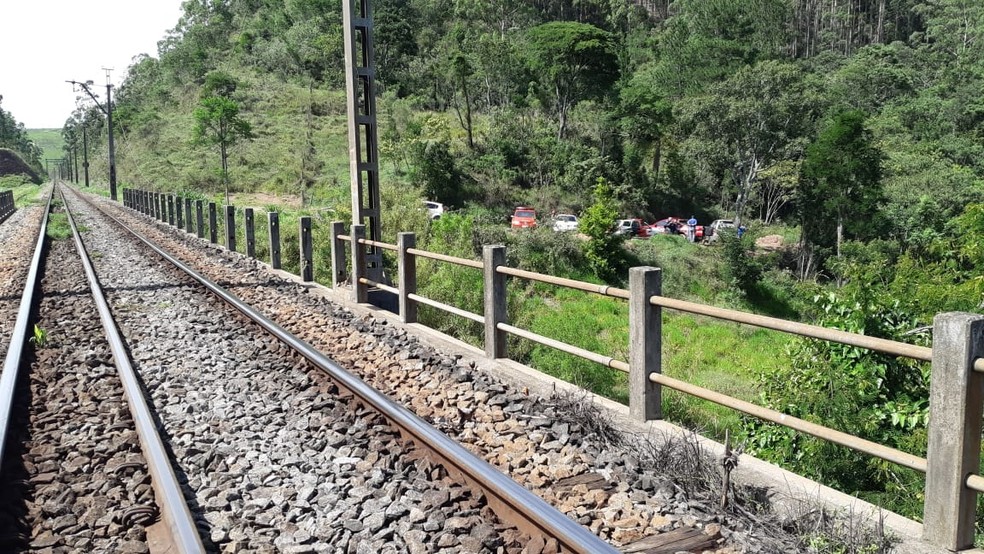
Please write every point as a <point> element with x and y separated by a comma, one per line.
<point>213,226</point>
<point>179,212</point>
<point>230,228</point>
<point>170,209</point>
<point>338,267</point>
<point>250,233</point>
<point>161,209</point>
<point>360,291</point>
<point>307,250</point>
<point>274,226</point>
<point>188,215</point>
<point>200,219</point>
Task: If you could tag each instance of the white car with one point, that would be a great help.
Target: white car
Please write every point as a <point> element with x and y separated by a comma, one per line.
<point>434,209</point>
<point>565,222</point>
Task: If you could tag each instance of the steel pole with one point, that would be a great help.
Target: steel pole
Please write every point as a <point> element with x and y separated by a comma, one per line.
<point>112,147</point>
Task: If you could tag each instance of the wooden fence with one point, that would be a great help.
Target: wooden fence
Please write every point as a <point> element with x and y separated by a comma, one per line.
<point>957,355</point>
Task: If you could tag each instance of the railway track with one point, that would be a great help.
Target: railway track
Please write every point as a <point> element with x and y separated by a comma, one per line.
<point>275,447</point>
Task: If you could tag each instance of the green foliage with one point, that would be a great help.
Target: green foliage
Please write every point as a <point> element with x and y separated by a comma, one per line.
<point>58,227</point>
<point>40,338</point>
<point>603,249</point>
<point>745,270</point>
<point>874,396</point>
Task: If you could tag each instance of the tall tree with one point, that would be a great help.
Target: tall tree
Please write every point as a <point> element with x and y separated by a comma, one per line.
<point>840,182</point>
<point>217,120</point>
<point>572,62</point>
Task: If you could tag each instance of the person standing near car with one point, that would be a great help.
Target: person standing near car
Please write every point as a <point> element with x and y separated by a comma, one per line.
<point>692,229</point>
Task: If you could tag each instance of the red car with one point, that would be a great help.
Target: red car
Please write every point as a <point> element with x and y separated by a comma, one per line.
<point>524,218</point>
<point>676,225</point>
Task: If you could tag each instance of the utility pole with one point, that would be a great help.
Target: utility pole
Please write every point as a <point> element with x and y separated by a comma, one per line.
<point>360,85</point>
<point>85,153</point>
<point>112,148</point>
<point>108,110</point>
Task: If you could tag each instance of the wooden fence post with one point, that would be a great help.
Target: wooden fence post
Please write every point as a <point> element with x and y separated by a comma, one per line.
<point>338,269</point>
<point>250,233</point>
<point>495,301</point>
<point>188,220</point>
<point>307,250</point>
<point>230,228</point>
<point>199,219</point>
<point>956,401</point>
<point>213,223</point>
<point>360,292</point>
<point>273,225</point>
<point>408,276</point>
<point>645,343</point>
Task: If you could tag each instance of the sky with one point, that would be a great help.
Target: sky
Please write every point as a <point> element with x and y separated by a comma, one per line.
<point>44,43</point>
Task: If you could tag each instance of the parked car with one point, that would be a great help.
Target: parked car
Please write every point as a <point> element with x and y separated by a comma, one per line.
<point>676,226</point>
<point>434,209</point>
<point>719,224</point>
<point>523,218</point>
<point>631,228</point>
<point>565,222</point>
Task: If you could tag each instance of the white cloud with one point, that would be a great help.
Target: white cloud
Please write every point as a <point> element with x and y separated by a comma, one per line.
<point>46,42</point>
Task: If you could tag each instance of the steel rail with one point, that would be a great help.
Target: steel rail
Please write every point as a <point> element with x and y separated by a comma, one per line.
<point>795,423</point>
<point>812,331</point>
<point>174,509</point>
<point>445,258</point>
<point>11,364</point>
<point>511,501</point>
<point>607,361</point>
<point>446,307</point>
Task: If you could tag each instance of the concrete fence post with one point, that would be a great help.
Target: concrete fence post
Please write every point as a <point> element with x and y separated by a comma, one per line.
<point>178,213</point>
<point>956,400</point>
<point>213,223</point>
<point>307,250</point>
<point>188,221</point>
<point>230,228</point>
<point>199,219</point>
<point>645,343</point>
<point>408,276</point>
<point>360,291</point>
<point>495,301</point>
<point>250,233</point>
<point>145,202</point>
<point>273,222</point>
<point>157,206</point>
<point>170,209</point>
<point>338,268</point>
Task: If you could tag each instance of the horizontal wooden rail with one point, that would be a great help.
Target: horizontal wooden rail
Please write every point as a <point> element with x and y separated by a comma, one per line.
<point>607,361</point>
<point>447,308</point>
<point>603,290</point>
<point>795,423</point>
<point>445,258</point>
<point>813,331</point>
<point>378,244</point>
<point>379,286</point>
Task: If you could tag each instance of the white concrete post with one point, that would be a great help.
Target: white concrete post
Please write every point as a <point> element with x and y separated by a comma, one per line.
<point>645,343</point>
<point>956,399</point>
<point>407,275</point>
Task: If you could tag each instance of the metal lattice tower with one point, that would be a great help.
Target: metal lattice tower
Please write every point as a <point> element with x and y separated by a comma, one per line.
<point>360,75</point>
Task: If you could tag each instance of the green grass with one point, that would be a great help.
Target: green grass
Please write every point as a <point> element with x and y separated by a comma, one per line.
<point>58,227</point>
<point>50,141</point>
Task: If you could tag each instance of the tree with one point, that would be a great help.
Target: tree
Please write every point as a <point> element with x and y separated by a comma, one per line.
<point>603,249</point>
<point>217,120</point>
<point>840,181</point>
<point>750,122</point>
<point>573,62</point>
